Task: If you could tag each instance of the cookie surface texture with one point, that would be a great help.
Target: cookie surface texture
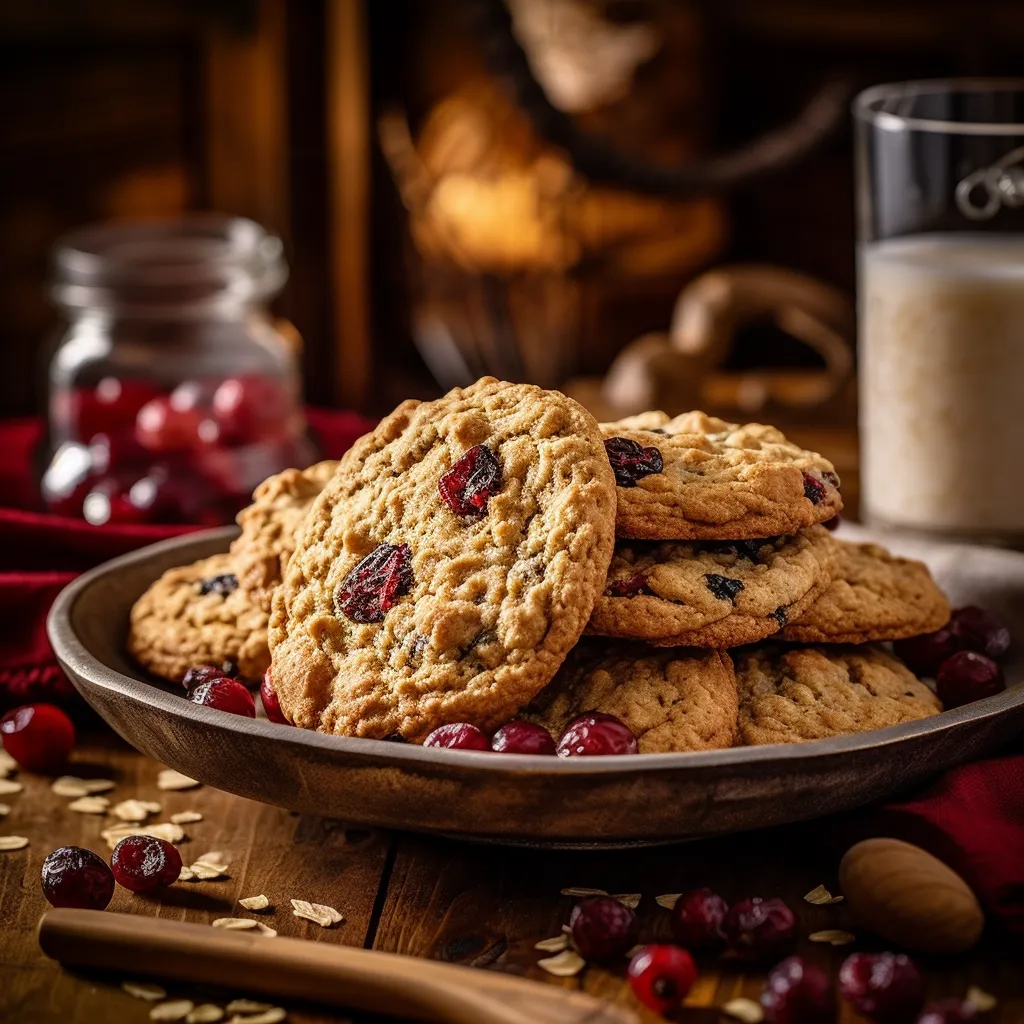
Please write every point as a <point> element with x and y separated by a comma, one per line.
<point>673,701</point>
<point>712,593</point>
<point>812,693</point>
<point>696,477</point>
<point>197,615</point>
<point>448,567</point>
<point>874,595</point>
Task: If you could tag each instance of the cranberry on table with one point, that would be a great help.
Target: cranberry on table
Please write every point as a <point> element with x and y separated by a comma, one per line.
<point>661,976</point>
<point>759,929</point>
<point>967,676</point>
<point>73,877</point>
<point>797,992</point>
<point>38,736</point>
<point>948,1011</point>
<point>457,736</point>
<point>925,653</point>
<point>145,863</point>
<point>271,705</point>
<point>697,920</point>
<point>887,988</point>
<point>224,695</point>
<point>602,928</point>
<point>595,734</point>
<point>523,738</point>
<point>975,629</point>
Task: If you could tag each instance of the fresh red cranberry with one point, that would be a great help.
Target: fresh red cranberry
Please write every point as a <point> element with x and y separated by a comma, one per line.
<point>39,737</point>
<point>978,630</point>
<point>271,705</point>
<point>758,929</point>
<point>632,461</point>
<point>602,928</point>
<point>73,877</point>
<point>948,1011</point>
<point>375,584</point>
<point>110,407</point>
<point>468,485</point>
<point>249,408</point>
<point>145,863</point>
<point>161,426</point>
<point>887,988</point>
<point>661,976</point>
<point>595,733</point>
<point>697,920</point>
<point>924,654</point>
<point>797,992</point>
<point>202,674</point>
<point>815,490</point>
<point>627,586</point>
<point>523,738</point>
<point>457,736</point>
<point>224,695</point>
<point>118,499</point>
<point>967,676</point>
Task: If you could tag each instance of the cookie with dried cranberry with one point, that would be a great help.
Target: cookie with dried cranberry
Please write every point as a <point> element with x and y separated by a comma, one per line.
<point>448,567</point>
<point>696,477</point>
<point>198,615</point>
<point>874,595</point>
<point>812,693</point>
<point>269,525</point>
<point>712,593</point>
<point>672,700</point>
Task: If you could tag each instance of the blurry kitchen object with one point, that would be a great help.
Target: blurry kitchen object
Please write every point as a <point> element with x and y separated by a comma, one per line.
<point>172,392</point>
<point>940,196</point>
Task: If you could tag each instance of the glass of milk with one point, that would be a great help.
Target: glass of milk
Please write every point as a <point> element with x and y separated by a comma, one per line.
<point>940,211</point>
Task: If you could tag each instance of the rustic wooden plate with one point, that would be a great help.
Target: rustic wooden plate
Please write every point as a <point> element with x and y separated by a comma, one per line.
<point>606,801</point>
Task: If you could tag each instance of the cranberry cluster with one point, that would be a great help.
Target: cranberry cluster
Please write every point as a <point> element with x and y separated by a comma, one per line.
<point>961,656</point>
<point>587,735</point>
<point>143,456</point>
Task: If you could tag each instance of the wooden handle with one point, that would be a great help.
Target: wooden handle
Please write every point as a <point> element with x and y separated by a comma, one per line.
<point>323,972</point>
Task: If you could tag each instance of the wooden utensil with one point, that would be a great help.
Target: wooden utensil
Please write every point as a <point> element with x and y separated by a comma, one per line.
<point>358,979</point>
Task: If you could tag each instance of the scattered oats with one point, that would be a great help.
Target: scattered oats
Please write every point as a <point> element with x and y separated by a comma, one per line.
<point>266,930</point>
<point>186,817</point>
<point>981,1000</point>
<point>579,891</point>
<point>234,924</point>
<point>628,899</point>
<point>71,786</point>
<point>248,1006</point>
<point>669,900</point>
<point>255,902</point>
<point>318,913</point>
<point>205,1013</point>
<point>201,872</point>
<point>564,965</point>
<point>8,843</point>
<point>5,809</point>
<point>186,874</point>
<point>90,805</point>
<point>176,1009</point>
<point>213,859</point>
<point>135,810</point>
<point>834,936</point>
<point>7,764</point>
<point>821,897</point>
<point>274,1015</point>
<point>143,990</point>
<point>745,1010</point>
<point>9,786</point>
<point>553,945</point>
<point>170,779</point>
<point>162,830</point>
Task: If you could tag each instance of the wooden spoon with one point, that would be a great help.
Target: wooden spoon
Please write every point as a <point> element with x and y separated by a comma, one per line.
<point>359,979</point>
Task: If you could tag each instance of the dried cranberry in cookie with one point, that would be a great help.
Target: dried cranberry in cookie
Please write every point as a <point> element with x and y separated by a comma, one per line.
<point>715,479</point>
<point>447,567</point>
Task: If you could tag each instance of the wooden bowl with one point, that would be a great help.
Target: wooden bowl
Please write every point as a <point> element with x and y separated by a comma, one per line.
<point>600,801</point>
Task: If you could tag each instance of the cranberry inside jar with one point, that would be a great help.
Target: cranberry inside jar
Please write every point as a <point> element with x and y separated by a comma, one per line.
<point>172,393</point>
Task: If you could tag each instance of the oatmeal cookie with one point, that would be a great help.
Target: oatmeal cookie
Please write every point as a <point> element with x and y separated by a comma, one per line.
<point>873,596</point>
<point>811,693</point>
<point>674,700</point>
<point>448,567</point>
<point>712,593</point>
<point>699,478</point>
<point>269,525</point>
<point>198,615</point>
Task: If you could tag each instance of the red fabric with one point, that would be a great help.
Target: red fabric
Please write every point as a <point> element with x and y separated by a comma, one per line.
<point>972,818</point>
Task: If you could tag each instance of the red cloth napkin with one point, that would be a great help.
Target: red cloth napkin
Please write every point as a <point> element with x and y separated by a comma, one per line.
<point>972,818</point>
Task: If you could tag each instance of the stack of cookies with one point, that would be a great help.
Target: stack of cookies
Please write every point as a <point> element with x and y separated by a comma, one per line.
<point>446,569</point>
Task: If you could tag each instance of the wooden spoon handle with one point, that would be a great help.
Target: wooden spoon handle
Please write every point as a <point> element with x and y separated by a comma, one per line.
<point>323,972</point>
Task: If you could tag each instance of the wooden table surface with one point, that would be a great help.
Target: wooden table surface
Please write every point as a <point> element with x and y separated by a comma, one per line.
<point>476,905</point>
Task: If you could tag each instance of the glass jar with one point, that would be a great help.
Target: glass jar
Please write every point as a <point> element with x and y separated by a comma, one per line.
<point>172,393</point>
